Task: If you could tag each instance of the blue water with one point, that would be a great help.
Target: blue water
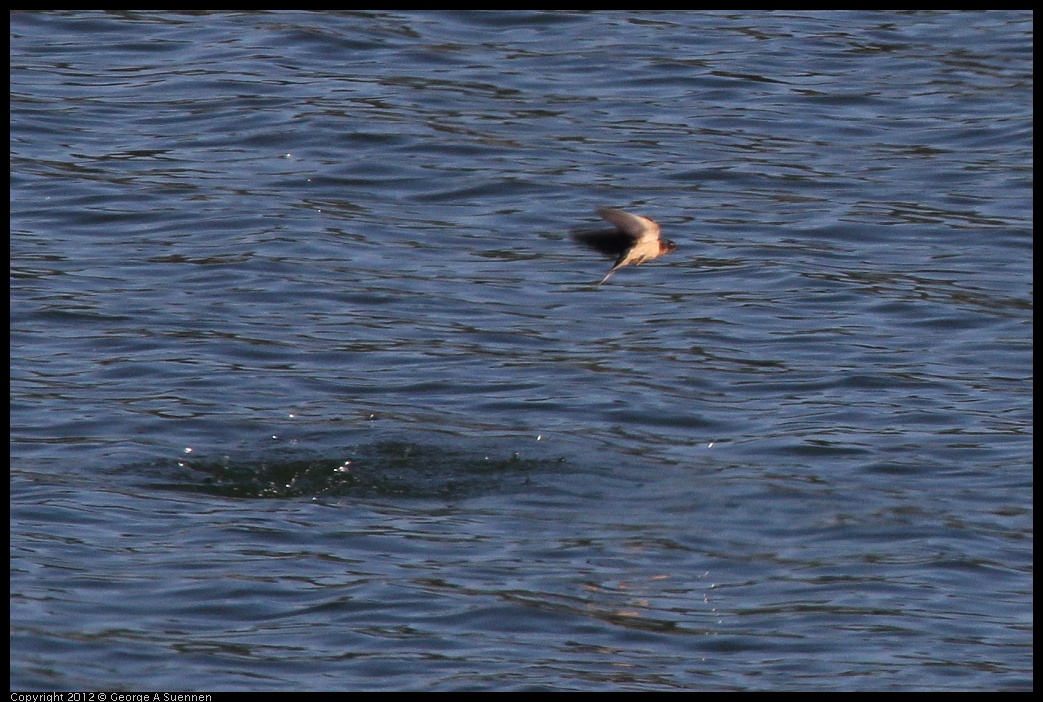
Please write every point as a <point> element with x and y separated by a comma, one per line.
<point>310,390</point>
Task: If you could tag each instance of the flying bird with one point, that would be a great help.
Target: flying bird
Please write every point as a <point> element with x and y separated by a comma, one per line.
<point>634,240</point>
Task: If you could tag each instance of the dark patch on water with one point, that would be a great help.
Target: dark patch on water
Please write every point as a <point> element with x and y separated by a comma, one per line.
<point>386,469</point>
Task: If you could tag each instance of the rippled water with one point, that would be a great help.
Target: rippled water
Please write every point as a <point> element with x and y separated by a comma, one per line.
<point>310,389</point>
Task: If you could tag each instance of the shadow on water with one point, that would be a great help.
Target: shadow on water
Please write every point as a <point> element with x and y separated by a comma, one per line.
<point>386,469</point>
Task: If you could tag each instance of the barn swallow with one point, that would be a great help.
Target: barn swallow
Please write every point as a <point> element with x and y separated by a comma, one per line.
<point>634,240</point>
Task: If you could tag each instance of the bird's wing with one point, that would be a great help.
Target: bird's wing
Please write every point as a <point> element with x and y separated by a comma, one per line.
<point>610,242</point>
<point>635,225</point>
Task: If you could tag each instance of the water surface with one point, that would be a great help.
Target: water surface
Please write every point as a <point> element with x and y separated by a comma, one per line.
<point>310,389</point>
